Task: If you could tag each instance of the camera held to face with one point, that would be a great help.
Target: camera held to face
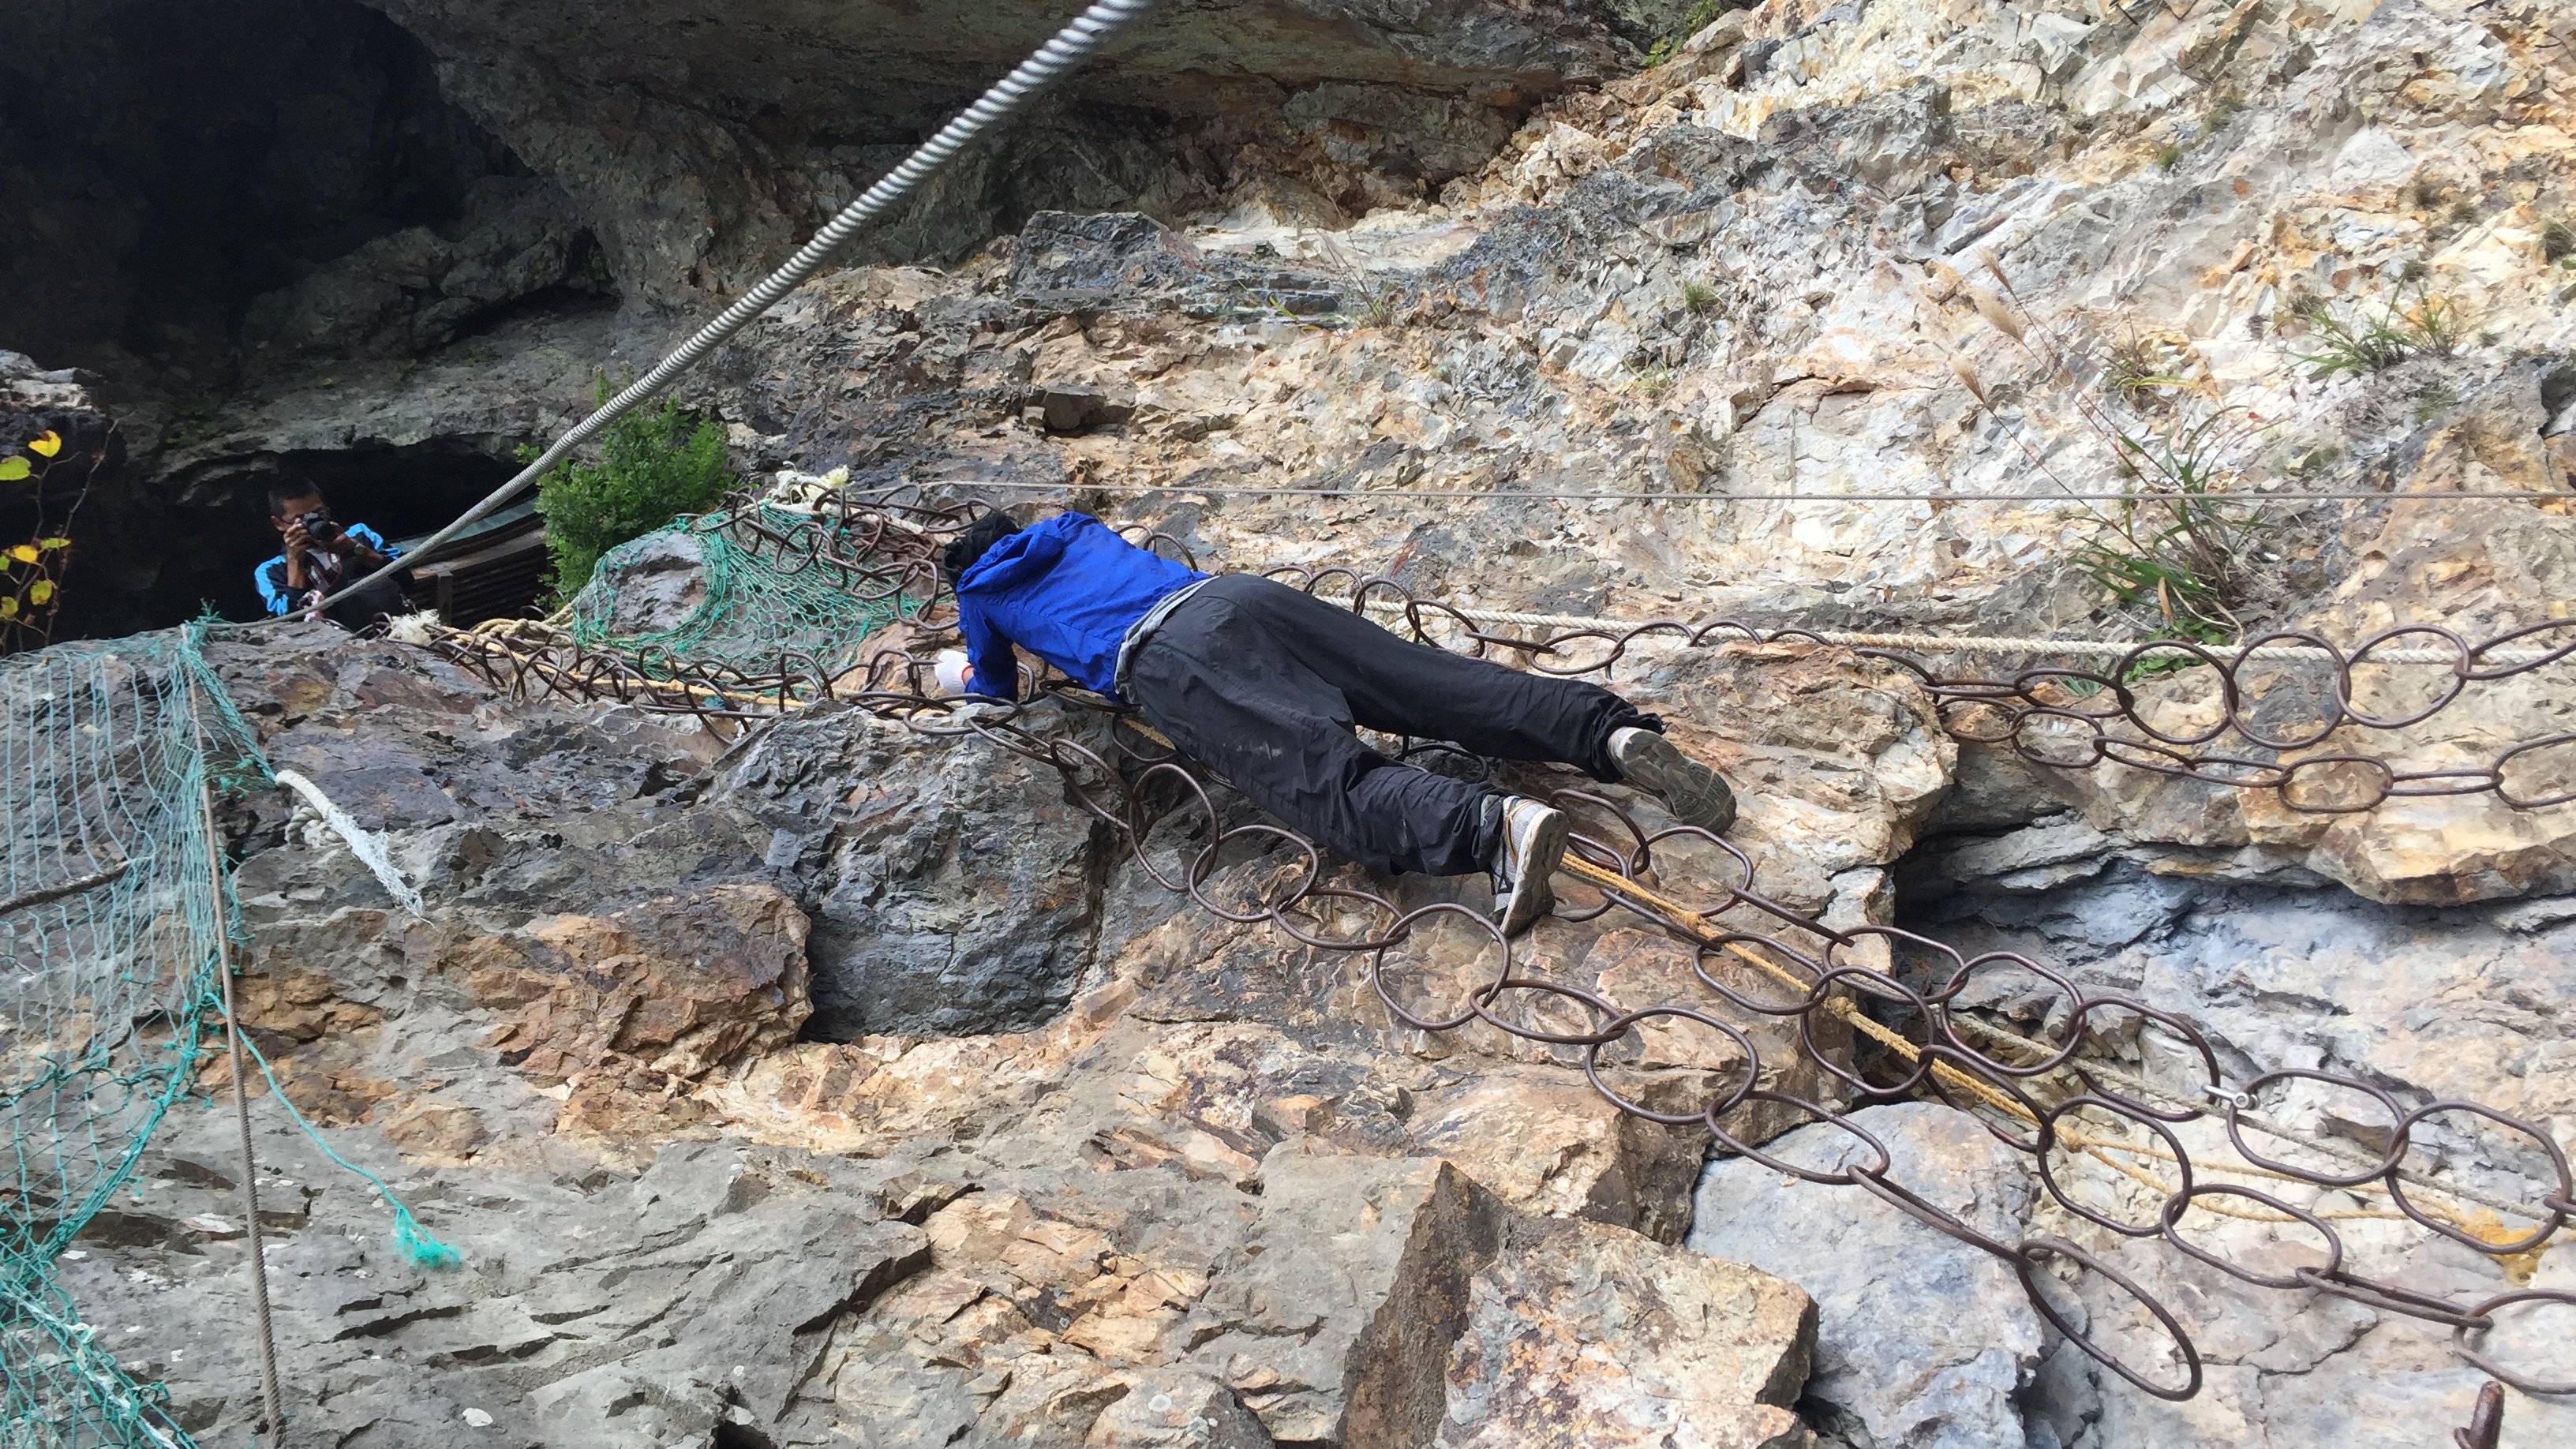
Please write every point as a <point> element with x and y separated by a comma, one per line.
<point>318,527</point>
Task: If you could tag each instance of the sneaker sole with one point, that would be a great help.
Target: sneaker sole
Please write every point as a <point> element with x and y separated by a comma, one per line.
<point>1533,896</point>
<point>1695,793</point>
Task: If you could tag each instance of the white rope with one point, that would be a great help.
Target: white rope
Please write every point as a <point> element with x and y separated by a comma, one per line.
<point>1068,49</point>
<point>365,844</point>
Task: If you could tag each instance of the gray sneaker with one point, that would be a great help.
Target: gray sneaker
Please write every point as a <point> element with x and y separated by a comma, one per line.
<point>1533,841</point>
<point>1692,791</point>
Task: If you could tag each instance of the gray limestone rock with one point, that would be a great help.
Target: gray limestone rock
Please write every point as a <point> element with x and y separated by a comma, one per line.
<point>1177,1409</point>
<point>648,586</point>
<point>1339,1306</point>
<point>954,888</point>
<point>1922,1342</point>
<point>36,399</point>
<point>1579,1333</point>
<point>412,290</point>
<point>1064,262</point>
<point>692,190</point>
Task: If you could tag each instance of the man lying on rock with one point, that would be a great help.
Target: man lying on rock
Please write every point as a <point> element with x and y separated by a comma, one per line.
<point>1266,684</point>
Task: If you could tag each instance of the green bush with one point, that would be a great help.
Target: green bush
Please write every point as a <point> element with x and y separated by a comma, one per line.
<point>653,465</point>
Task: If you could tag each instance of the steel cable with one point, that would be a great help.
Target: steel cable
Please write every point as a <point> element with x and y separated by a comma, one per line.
<point>1068,48</point>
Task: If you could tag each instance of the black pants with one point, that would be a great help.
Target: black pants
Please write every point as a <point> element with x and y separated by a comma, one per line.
<point>371,605</point>
<point>1264,683</point>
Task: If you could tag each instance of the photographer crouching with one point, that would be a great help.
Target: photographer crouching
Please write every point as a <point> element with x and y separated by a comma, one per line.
<point>320,555</point>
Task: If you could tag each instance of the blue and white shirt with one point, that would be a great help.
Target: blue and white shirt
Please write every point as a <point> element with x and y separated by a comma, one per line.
<point>322,573</point>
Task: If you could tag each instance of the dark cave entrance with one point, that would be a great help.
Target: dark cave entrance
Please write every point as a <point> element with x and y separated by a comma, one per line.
<point>151,572</point>
<point>210,198</point>
<point>170,161</point>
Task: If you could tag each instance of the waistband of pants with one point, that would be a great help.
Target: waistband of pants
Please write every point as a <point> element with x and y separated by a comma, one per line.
<point>1143,629</point>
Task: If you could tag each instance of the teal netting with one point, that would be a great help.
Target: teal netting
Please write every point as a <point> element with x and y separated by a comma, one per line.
<point>736,589</point>
<point>109,948</point>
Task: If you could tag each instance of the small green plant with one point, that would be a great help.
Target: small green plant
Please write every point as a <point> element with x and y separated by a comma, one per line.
<point>2438,399</point>
<point>1654,383</point>
<point>1699,297</point>
<point>1378,305</point>
<point>2223,110</point>
<point>2179,545</point>
<point>654,464</point>
<point>2315,462</point>
<point>2168,155</point>
<point>2138,372</point>
<point>2557,241</point>
<point>2432,327</point>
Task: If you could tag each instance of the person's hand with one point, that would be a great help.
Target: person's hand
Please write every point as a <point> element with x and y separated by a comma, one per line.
<point>297,542</point>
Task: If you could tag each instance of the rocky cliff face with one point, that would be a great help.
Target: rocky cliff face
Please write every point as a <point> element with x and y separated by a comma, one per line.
<point>838,1082</point>
<point>420,214</point>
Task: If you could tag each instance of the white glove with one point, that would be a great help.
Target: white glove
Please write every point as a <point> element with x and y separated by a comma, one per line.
<point>954,672</point>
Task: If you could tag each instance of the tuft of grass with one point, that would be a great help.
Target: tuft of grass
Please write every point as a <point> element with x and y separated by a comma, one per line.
<point>2137,372</point>
<point>2168,155</point>
<point>2180,546</point>
<point>2315,462</point>
<point>1699,297</point>
<point>2229,104</point>
<point>1379,305</point>
<point>2557,241</point>
<point>2431,327</point>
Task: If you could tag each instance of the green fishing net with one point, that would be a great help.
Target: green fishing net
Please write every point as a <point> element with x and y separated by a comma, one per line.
<point>111,917</point>
<point>739,589</point>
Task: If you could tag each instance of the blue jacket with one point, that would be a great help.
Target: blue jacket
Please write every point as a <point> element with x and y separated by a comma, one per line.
<point>1066,590</point>
<point>271,576</point>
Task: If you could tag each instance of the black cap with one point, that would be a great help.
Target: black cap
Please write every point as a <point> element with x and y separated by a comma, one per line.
<point>971,545</point>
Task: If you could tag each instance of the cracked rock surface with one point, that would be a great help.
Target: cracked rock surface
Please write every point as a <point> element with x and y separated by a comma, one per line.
<point>1198,1167</point>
